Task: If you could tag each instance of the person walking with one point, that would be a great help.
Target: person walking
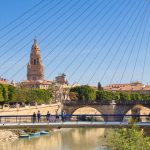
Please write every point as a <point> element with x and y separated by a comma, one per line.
<point>57,116</point>
<point>63,115</point>
<point>48,116</point>
<point>34,117</point>
<point>39,116</point>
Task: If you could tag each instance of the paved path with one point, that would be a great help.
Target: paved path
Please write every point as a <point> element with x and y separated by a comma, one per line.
<point>72,125</point>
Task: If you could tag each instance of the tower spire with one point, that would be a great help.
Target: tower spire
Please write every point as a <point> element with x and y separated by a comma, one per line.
<point>35,40</point>
<point>35,44</point>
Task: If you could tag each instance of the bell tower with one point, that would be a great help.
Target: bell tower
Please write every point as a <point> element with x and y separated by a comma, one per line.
<point>35,68</point>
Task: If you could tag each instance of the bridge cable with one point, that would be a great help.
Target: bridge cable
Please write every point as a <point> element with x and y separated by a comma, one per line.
<point>44,38</point>
<point>132,48</point>
<point>68,66</point>
<point>97,68</point>
<point>46,56</point>
<point>26,19</point>
<point>6,51</point>
<point>32,40</point>
<point>143,33</point>
<point>22,15</point>
<point>117,50</point>
<point>123,54</point>
<point>97,53</point>
<point>73,40</point>
<point>147,46</point>
<point>69,32</point>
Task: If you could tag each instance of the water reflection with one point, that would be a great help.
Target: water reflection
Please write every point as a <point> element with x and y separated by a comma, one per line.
<point>66,139</point>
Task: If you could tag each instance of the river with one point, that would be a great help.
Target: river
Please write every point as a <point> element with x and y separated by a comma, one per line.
<point>64,139</point>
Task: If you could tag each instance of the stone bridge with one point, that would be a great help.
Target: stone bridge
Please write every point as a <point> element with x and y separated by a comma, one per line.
<point>108,108</point>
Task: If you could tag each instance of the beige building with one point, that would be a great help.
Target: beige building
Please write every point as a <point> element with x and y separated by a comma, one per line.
<point>60,79</point>
<point>36,84</point>
<point>131,87</point>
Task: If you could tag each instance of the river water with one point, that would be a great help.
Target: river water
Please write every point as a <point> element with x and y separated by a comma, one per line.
<point>64,139</point>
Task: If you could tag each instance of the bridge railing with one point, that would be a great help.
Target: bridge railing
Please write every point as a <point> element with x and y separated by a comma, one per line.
<point>72,118</point>
<point>107,102</point>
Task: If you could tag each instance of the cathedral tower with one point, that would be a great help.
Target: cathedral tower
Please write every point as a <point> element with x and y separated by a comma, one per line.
<point>35,68</point>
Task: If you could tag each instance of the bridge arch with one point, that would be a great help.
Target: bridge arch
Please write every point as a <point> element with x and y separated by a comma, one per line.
<point>88,110</point>
<point>138,109</point>
<point>102,109</point>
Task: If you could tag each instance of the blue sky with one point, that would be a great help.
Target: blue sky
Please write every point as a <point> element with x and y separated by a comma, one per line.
<point>88,40</point>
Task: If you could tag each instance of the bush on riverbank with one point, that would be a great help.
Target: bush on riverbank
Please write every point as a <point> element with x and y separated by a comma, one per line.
<point>128,139</point>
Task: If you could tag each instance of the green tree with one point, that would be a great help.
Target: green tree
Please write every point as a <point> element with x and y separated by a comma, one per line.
<point>135,96</point>
<point>84,93</point>
<point>104,95</point>
<point>21,95</point>
<point>3,94</point>
<point>99,86</point>
<point>145,96</point>
<point>73,96</point>
<point>124,96</point>
<point>128,139</point>
<point>11,93</point>
<point>116,96</point>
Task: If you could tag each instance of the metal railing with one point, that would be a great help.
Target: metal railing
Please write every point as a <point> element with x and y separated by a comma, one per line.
<point>107,102</point>
<point>73,118</point>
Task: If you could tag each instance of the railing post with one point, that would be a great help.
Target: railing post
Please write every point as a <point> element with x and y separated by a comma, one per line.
<point>20,120</point>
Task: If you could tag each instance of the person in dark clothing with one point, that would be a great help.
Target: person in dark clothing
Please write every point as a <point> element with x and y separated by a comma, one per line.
<point>63,115</point>
<point>39,116</point>
<point>34,117</point>
<point>48,116</point>
<point>57,116</point>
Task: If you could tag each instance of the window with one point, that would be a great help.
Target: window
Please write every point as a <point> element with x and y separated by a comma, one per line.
<point>34,62</point>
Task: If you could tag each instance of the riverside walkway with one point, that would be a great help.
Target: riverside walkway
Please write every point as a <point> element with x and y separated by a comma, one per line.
<point>80,124</point>
<point>73,121</point>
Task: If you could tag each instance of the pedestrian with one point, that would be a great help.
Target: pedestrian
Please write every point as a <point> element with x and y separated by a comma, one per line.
<point>48,116</point>
<point>39,116</point>
<point>57,116</point>
<point>63,115</point>
<point>34,117</point>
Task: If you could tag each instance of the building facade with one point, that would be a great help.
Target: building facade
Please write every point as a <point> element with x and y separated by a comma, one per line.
<point>131,87</point>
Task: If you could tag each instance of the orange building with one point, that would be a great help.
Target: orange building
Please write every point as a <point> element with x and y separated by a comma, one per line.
<point>131,87</point>
<point>3,81</point>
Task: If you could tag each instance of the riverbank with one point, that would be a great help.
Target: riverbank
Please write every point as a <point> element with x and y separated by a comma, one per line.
<point>12,135</point>
<point>9,135</point>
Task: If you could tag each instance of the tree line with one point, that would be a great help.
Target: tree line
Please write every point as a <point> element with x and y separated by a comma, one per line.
<point>10,94</point>
<point>87,93</point>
